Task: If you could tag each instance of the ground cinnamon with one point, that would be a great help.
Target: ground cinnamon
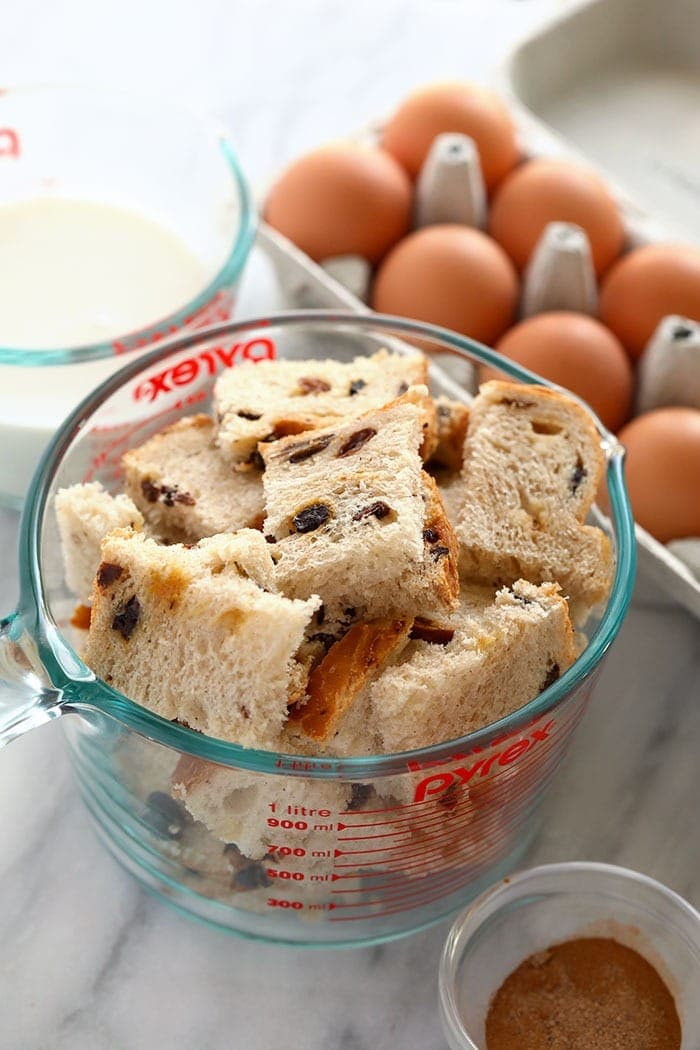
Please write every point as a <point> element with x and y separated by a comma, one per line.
<point>583,994</point>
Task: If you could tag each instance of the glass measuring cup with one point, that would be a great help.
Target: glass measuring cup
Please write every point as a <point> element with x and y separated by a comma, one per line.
<point>295,849</point>
<point>154,159</point>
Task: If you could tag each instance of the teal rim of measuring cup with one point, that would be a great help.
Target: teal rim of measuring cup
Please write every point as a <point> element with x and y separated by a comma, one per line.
<point>83,692</point>
<point>227,275</point>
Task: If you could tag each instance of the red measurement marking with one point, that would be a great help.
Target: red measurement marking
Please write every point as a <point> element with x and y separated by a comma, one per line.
<point>9,143</point>
<point>450,829</point>
<point>386,911</point>
<point>423,853</point>
<point>356,875</point>
<point>439,877</point>
<point>125,433</point>
<point>414,823</point>
<point>470,852</point>
<point>428,851</point>
<point>411,890</point>
<point>367,838</point>
<point>395,809</point>
<point>410,899</point>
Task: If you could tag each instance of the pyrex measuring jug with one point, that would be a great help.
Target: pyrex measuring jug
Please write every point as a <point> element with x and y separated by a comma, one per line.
<point>167,171</point>
<point>302,850</point>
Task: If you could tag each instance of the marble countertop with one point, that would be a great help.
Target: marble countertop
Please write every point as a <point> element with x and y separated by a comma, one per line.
<point>90,962</point>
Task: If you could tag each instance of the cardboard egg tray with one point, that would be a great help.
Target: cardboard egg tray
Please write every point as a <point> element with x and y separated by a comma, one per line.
<point>641,52</point>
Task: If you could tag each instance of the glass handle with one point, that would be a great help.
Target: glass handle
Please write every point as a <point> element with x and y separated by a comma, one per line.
<point>27,698</point>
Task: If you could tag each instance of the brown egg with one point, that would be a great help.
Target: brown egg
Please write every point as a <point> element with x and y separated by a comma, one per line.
<point>578,353</point>
<point>342,199</point>
<point>549,190</point>
<point>454,106</point>
<point>449,275</point>
<point>645,286</point>
<point>663,471</point>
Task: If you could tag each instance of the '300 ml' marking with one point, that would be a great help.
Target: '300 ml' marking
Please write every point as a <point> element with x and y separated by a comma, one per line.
<point>207,362</point>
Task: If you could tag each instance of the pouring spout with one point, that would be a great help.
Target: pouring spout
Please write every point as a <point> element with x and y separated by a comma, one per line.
<point>27,699</point>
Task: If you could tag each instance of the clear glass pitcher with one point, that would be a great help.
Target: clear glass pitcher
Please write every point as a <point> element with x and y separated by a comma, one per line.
<point>157,160</point>
<point>293,849</point>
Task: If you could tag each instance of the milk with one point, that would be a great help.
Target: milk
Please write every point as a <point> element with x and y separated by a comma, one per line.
<point>75,272</point>
<point>78,271</point>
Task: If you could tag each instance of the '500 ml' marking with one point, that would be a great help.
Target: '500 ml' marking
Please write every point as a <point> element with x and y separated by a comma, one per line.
<point>207,361</point>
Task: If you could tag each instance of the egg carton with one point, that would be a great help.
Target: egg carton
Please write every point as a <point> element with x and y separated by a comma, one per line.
<point>596,84</point>
<point>529,80</point>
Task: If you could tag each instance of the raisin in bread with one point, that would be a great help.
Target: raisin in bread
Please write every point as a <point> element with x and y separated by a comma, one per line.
<point>85,514</point>
<point>196,634</point>
<point>274,399</point>
<point>490,657</point>
<point>532,466</point>
<point>353,517</point>
<point>184,487</point>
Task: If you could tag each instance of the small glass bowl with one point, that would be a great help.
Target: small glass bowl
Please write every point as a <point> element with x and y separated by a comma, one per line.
<point>534,909</point>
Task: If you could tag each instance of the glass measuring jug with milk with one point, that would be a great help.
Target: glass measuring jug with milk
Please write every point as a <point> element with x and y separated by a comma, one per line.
<point>122,220</point>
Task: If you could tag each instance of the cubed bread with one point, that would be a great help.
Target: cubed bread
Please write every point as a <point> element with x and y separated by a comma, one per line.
<point>532,466</point>
<point>274,399</point>
<point>186,489</point>
<point>191,634</point>
<point>236,805</point>
<point>451,488</point>
<point>505,649</point>
<point>85,514</point>
<point>352,517</point>
<point>452,420</point>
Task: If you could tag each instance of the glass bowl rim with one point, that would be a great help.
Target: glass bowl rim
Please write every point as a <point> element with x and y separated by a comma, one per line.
<point>227,273</point>
<point>68,672</point>
<point>526,880</point>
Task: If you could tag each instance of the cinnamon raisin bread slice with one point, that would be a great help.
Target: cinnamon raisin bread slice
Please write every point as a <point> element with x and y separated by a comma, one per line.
<point>186,489</point>
<point>192,634</point>
<point>274,399</point>
<point>85,514</point>
<point>532,466</point>
<point>492,656</point>
<point>353,517</point>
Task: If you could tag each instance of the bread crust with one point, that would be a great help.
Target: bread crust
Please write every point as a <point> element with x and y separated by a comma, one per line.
<point>438,534</point>
<point>185,489</point>
<point>353,517</point>
<point>274,399</point>
<point>452,420</point>
<point>533,463</point>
